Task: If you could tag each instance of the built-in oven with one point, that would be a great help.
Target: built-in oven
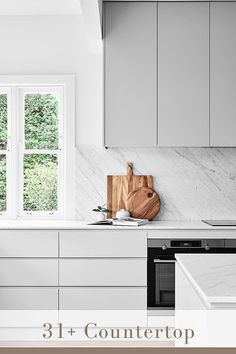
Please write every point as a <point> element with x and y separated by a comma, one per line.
<point>161,265</point>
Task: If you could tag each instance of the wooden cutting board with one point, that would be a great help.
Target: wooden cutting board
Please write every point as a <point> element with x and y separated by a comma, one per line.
<point>143,203</point>
<point>119,187</point>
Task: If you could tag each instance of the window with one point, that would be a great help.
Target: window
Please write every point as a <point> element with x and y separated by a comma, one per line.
<point>37,146</point>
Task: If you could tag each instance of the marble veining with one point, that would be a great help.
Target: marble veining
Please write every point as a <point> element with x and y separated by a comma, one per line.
<point>212,275</point>
<point>193,183</point>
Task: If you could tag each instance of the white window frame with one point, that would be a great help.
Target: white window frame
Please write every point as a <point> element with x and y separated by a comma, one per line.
<point>16,87</point>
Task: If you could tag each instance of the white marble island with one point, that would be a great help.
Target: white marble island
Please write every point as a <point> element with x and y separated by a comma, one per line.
<point>205,281</point>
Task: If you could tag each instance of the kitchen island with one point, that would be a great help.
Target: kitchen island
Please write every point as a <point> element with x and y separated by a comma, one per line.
<point>205,281</point>
<point>206,298</point>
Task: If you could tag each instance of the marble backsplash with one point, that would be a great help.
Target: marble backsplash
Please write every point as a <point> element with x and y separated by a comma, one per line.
<point>193,183</point>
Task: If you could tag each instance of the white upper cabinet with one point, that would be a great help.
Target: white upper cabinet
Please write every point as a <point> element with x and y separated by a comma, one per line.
<point>223,74</point>
<point>130,39</point>
<point>183,74</point>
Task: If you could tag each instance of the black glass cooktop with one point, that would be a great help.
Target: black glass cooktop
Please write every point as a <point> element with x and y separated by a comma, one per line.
<point>220,222</point>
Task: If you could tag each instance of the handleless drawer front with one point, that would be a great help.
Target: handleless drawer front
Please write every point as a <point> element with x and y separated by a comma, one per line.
<point>102,272</point>
<point>28,243</point>
<point>103,298</point>
<point>103,243</point>
<point>28,272</point>
<point>28,299</point>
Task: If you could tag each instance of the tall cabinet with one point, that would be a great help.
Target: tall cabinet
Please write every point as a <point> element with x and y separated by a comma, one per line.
<point>183,74</point>
<point>130,55</point>
<point>223,74</point>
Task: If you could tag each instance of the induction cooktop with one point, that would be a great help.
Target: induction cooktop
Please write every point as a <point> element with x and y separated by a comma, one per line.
<point>220,222</point>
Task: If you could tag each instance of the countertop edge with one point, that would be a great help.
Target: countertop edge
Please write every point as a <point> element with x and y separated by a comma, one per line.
<point>197,225</point>
<point>195,285</point>
<point>209,301</point>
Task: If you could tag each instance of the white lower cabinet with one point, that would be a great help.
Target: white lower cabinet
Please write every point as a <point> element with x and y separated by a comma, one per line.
<point>103,298</point>
<point>73,270</point>
<point>28,243</point>
<point>28,299</point>
<point>28,272</point>
<point>119,243</point>
<point>103,272</point>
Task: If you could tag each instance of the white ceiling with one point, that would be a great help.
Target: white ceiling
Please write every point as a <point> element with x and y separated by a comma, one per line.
<point>40,7</point>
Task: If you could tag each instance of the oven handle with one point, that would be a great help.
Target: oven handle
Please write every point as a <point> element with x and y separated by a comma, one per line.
<point>164,261</point>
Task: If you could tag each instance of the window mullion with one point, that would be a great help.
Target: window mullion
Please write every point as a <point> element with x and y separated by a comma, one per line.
<point>20,146</point>
<point>40,151</point>
<point>12,163</point>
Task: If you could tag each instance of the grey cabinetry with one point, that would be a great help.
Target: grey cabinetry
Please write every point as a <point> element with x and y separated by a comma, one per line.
<point>183,74</point>
<point>28,270</point>
<point>130,37</point>
<point>223,74</point>
<point>103,269</point>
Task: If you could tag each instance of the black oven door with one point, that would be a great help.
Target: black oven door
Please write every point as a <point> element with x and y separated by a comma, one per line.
<point>164,282</point>
<point>161,280</point>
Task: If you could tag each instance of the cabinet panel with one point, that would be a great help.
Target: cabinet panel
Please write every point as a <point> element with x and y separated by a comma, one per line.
<point>28,272</point>
<point>130,74</point>
<point>186,297</point>
<point>183,74</point>
<point>103,298</point>
<point>102,243</point>
<point>103,272</point>
<point>28,299</point>
<point>28,243</point>
<point>223,74</point>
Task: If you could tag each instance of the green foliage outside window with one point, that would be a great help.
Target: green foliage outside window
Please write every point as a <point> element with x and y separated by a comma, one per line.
<point>41,121</point>
<point>3,191</point>
<point>3,122</point>
<point>3,146</point>
<point>40,182</point>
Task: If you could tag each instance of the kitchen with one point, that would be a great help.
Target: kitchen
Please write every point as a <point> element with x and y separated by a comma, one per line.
<point>167,94</point>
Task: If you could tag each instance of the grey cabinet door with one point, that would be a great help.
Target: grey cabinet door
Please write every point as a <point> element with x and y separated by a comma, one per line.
<point>130,37</point>
<point>183,74</point>
<point>223,74</point>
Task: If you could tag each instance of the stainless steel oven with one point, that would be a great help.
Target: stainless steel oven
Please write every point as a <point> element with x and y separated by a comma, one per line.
<point>161,265</point>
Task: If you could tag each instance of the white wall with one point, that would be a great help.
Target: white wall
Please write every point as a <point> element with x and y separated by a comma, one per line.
<point>57,45</point>
<point>193,183</point>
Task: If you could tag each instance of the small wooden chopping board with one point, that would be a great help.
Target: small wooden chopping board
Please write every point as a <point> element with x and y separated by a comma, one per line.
<point>119,187</point>
<point>143,203</point>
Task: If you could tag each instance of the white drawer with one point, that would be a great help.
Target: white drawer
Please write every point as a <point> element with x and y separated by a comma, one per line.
<point>103,298</point>
<point>28,243</point>
<point>28,299</point>
<point>103,243</point>
<point>28,272</point>
<point>190,234</point>
<point>103,272</point>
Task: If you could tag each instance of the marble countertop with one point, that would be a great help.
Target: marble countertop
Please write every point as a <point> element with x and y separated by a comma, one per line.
<point>212,275</point>
<point>83,225</point>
